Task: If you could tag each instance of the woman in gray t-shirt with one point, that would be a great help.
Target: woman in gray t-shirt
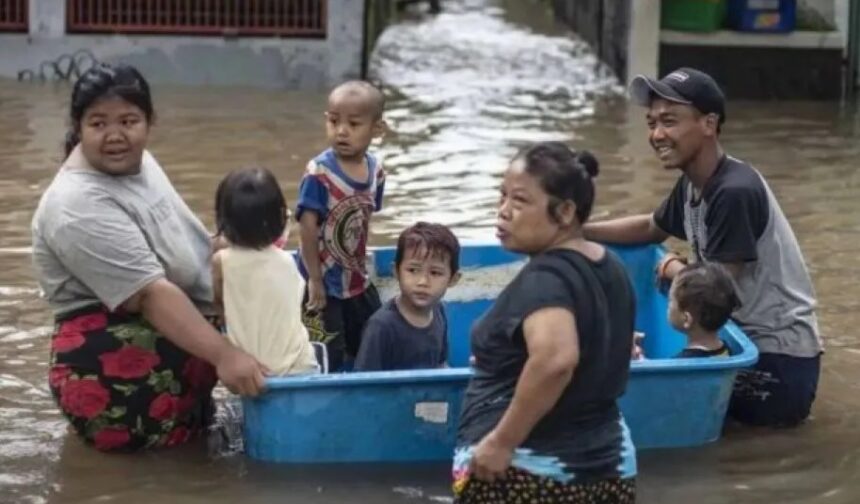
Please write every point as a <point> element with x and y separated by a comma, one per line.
<point>124,265</point>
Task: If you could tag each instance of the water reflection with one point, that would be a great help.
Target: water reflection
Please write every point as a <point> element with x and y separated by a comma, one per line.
<point>503,86</point>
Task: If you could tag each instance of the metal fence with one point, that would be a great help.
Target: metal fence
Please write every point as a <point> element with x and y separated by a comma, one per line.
<point>13,15</point>
<point>280,18</point>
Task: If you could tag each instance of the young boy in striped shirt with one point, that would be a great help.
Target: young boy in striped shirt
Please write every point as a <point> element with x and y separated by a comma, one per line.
<point>339,192</point>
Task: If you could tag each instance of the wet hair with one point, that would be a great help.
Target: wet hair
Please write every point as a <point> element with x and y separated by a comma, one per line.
<point>705,290</point>
<point>369,93</point>
<point>250,209</point>
<point>564,174</point>
<point>435,239</point>
<point>106,81</point>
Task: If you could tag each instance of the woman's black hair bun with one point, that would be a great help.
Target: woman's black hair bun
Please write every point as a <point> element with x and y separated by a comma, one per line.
<point>589,162</point>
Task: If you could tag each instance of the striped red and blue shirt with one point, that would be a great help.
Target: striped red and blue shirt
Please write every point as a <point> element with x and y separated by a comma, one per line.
<point>344,207</point>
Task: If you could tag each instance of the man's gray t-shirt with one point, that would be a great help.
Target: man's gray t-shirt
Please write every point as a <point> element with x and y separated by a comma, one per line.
<point>737,219</point>
<point>98,238</point>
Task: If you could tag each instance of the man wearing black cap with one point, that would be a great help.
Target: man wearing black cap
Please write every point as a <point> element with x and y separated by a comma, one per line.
<point>724,208</point>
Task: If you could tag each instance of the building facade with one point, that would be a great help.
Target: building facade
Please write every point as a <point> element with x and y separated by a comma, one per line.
<point>293,44</point>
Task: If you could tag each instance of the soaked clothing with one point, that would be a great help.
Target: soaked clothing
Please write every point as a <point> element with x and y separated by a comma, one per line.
<point>391,342</point>
<point>344,207</point>
<point>697,352</point>
<point>98,238</point>
<point>340,325</point>
<point>583,438</point>
<point>738,220</point>
<point>778,391</point>
<point>263,308</point>
<point>123,386</point>
<point>522,486</point>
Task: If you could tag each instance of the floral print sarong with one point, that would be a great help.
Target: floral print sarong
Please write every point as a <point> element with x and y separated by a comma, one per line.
<point>123,386</point>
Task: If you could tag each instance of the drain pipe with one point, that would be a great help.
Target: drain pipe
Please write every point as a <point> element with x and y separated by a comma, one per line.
<point>853,50</point>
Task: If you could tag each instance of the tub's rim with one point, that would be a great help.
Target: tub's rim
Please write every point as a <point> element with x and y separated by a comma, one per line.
<point>747,357</point>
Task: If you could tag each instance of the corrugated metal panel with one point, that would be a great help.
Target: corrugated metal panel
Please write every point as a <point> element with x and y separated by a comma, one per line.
<point>282,18</point>
<point>13,15</point>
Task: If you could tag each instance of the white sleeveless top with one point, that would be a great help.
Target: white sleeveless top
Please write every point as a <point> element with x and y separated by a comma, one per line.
<point>262,306</point>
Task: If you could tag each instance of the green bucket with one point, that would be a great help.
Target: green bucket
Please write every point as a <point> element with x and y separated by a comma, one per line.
<point>693,15</point>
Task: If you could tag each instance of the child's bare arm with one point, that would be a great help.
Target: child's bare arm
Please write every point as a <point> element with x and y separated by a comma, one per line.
<point>309,249</point>
<point>380,187</point>
<point>218,285</point>
<point>219,242</point>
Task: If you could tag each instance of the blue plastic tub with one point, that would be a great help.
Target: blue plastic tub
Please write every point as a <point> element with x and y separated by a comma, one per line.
<point>766,16</point>
<point>412,415</point>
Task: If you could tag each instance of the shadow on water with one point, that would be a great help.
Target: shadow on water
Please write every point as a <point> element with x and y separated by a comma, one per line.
<point>466,89</point>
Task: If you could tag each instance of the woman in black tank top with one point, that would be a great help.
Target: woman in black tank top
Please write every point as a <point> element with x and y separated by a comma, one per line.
<point>540,421</point>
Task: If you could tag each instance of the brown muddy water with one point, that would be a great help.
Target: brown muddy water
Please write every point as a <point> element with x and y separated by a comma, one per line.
<point>466,89</point>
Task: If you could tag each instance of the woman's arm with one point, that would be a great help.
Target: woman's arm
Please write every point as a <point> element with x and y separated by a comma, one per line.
<point>553,348</point>
<point>219,242</point>
<point>107,251</point>
<point>170,311</point>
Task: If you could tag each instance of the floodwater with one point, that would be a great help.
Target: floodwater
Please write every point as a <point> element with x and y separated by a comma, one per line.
<point>465,89</point>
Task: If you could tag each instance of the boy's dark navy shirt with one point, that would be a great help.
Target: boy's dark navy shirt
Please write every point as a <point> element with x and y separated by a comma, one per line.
<point>390,342</point>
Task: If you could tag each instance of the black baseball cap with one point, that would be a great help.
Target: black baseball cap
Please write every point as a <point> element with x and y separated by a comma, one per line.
<point>685,85</point>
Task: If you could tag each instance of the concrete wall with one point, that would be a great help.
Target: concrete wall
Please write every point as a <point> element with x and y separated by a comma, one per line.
<point>267,62</point>
<point>643,46</point>
<point>345,39</point>
<point>768,68</point>
<point>840,17</point>
<point>625,34</point>
<point>805,64</point>
<point>604,24</point>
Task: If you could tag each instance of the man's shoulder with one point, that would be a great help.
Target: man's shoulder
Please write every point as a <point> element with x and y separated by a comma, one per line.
<point>680,187</point>
<point>737,179</point>
<point>737,174</point>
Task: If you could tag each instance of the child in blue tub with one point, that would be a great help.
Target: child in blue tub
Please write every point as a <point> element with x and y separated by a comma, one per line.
<point>411,330</point>
<point>258,288</point>
<point>341,189</point>
<point>701,300</point>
